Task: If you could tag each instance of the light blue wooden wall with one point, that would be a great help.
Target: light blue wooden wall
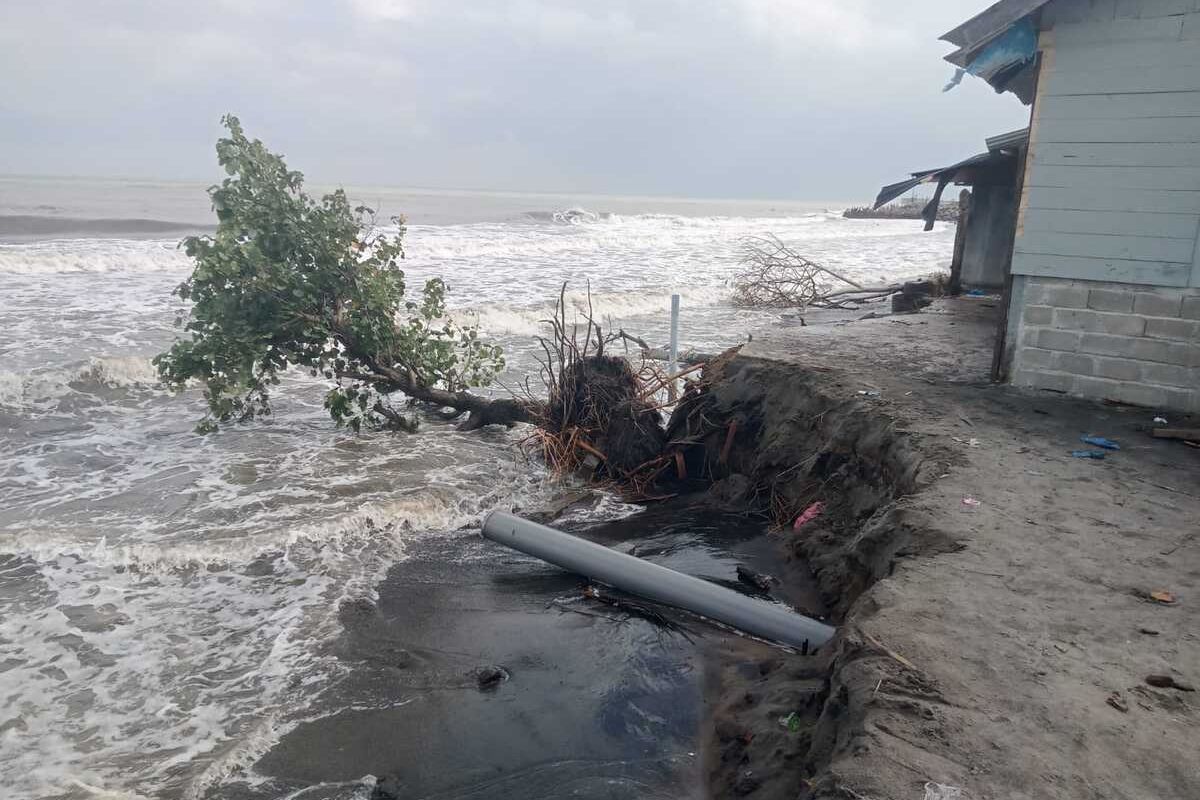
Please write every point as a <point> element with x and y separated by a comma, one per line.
<point>1112,185</point>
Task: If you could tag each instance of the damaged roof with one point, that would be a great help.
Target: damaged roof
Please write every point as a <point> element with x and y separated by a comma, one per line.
<point>999,45</point>
<point>1000,155</point>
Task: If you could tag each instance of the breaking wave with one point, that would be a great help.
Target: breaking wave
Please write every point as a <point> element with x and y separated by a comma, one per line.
<point>26,225</point>
<point>528,320</point>
<point>42,387</point>
<point>89,255</point>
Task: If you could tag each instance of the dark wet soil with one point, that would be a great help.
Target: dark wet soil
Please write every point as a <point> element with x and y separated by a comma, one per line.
<point>597,703</point>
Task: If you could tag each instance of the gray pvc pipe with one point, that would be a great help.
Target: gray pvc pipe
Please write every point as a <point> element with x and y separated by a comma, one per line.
<point>633,575</point>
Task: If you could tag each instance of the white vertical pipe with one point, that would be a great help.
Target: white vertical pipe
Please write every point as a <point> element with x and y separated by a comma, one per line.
<point>674,334</point>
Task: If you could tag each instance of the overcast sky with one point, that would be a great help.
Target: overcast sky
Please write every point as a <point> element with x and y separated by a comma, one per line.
<point>803,99</point>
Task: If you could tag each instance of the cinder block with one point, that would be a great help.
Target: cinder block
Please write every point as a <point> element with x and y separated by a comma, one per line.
<point>1169,375</point>
<point>1183,400</point>
<point>1065,296</point>
<point>1138,394</point>
<point>1139,349</point>
<point>1191,308</point>
<point>1074,363</point>
<point>1156,305</point>
<point>1050,339</point>
<point>1033,358</point>
<point>1041,379</point>
<point>1039,315</point>
<point>1099,322</point>
<point>1110,300</point>
<point>1118,369</point>
<point>1180,330</point>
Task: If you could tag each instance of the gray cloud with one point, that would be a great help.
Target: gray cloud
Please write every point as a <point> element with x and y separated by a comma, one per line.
<point>815,99</point>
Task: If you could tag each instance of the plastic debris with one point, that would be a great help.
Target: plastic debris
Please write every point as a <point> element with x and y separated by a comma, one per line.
<point>1163,596</point>
<point>791,722</point>
<point>976,293</point>
<point>866,393</point>
<point>940,791</point>
<point>1100,441</point>
<point>1169,682</point>
<point>1096,454</point>
<point>808,515</point>
<point>1160,421</point>
<point>972,502</point>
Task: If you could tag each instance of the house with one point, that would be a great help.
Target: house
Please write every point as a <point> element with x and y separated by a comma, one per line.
<point>1102,291</point>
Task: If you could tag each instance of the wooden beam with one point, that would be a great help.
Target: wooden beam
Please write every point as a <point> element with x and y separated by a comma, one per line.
<point>1189,434</point>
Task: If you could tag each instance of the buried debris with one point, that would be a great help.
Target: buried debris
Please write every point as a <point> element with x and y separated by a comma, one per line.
<point>1097,455</point>
<point>808,515</point>
<point>756,579</point>
<point>1169,682</point>
<point>1160,596</point>
<point>491,676</point>
<point>1116,701</point>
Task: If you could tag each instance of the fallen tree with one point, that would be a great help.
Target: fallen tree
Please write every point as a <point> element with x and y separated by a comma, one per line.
<point>288,281</point>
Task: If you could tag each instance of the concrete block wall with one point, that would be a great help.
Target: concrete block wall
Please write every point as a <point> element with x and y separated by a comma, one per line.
<point>1110,341</point>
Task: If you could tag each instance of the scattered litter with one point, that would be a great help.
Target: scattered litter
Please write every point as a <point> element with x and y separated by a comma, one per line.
<point>940,791</point>
<point>974,293</point>
<point>967,421</point>
<point>1160,421</point>
<point>491,676</point>
<point>808,515</point>
<point>1161,596</point>
<point>1096,454</point>
<point>791,722</point>
<point>756,579</point>
<point>967,442</point>
<point>1148,631</point>
<point>971,501</point>
<point>1169,682</point>
<point>1100,441</point>
<point>1116,701</point>
<point>866,393</point>
<point>896,656</point>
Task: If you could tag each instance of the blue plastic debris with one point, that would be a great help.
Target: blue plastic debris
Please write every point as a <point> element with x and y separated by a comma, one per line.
<point>976,293</point>
<point>1100,441</point>
<point>1096,454</point>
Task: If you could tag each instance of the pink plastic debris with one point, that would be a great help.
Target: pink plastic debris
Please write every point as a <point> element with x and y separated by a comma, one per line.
<point>808,515</point>
<point>971,501</point>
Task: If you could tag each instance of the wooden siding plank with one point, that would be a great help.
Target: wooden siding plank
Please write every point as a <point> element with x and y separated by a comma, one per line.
<point>1119,154</point>
<point>1117,223</point>
<point>1127,248</point>
<point>1146,9</point>
<point>1120,105</point>
<point>1101,80</point>
<point>1130,55</point>
<point>1169,178</point>
<point>1101,199</point>
<point>1157,130</point>
<point>1195,281</point>
<point>1101,269</point>
<point>1117,30</point>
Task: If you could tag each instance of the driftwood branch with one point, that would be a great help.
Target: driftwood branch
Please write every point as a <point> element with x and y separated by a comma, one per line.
<point>773,275</point>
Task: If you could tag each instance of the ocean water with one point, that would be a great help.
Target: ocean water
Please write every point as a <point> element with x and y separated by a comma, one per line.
<point>168,601</point>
